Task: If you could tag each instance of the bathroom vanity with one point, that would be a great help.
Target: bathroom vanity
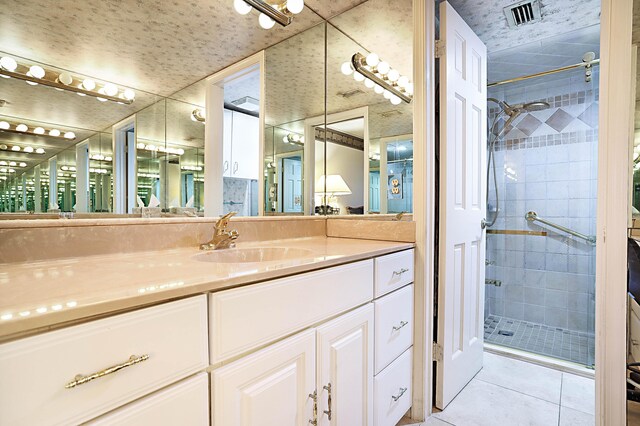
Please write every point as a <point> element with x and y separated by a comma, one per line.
<point>324,339</point>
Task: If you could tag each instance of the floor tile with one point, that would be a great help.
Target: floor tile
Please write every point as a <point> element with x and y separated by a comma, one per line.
<point>432,421</point>
<point>578,393</point>
<point>524,377</point>
<point>571,417</point>
<point>485,404</point>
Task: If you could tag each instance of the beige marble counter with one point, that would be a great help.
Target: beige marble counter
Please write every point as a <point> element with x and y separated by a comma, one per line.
<point>35,296</point>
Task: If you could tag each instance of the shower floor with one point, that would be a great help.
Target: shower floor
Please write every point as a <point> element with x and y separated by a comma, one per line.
<point>541,339</point>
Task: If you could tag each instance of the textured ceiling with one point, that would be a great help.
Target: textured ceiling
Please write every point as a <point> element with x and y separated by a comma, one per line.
<point>163,45</point>
<point>486,18</point>
<point>330,8</point>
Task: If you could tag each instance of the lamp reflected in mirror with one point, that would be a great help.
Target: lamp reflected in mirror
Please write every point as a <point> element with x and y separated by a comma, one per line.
<point>328,187</point>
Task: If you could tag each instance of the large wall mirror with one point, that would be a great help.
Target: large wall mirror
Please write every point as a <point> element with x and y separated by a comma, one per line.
<point>304,133</point>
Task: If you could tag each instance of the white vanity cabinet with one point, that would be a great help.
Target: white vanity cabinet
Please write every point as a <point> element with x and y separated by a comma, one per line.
<point>120,359</point>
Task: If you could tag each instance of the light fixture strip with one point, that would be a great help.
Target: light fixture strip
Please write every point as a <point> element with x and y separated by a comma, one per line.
<point>358,62</point>
<point>57,85</point>
<point>270,11</point>
<point>32,133</point>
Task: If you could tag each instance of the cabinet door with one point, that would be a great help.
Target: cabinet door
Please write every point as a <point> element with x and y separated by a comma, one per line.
<point>226,142</point>
<point>345,369</point>
<point>245,159</point>
<point>269,387</point>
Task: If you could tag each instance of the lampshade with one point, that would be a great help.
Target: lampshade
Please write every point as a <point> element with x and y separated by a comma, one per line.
<point>335,185</point>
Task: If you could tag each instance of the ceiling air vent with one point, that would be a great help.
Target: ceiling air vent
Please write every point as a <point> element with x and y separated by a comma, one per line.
<point>523,12</point>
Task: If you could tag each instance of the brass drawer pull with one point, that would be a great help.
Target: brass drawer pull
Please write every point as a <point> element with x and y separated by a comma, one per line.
<point>81,380</point>
<point>400,272</point>
<point>398,327</point>
<point>328,389</point>
<point>397,397</point>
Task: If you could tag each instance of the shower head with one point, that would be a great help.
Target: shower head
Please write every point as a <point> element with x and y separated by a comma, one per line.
<point>534,106</point>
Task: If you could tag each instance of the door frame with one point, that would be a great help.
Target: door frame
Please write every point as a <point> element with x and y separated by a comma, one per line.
<point>615,36</point>
<point>213,139</point>
<point>125,166</point>
<point>279,169</point>
<point>384,160</point>
<point>310,148</point>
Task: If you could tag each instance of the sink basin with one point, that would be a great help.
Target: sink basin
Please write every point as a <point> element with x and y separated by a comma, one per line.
<point>252,255</point>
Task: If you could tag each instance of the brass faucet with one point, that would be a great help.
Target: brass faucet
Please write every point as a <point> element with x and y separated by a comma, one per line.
<point>399,216</point>
<point>221,237</point>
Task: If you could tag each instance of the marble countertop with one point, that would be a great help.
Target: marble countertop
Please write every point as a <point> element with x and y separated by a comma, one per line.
<point>36,296</point>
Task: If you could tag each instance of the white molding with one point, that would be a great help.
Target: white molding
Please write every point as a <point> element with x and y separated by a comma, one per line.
<point>424,201</point>
<point>214,121</point>
<point>122,188</point>
<point>611,247</point>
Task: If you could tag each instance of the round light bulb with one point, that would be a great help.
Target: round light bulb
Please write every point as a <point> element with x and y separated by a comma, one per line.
<point>88,84</point>
<point>15,148</point>
<point>38,131</point>
<point>28,149</point>
<point>295,6</point>
<point>110,89</point>
<point>140,145</point>
<point>64,168</point>
<point>266,22</point>
<point>102,92</point>
<point>36,71</point>
<point>241,7</point>
<point>129,94</point>
<point>296,138</point>
<point>369,83</point>
<point>4,147</point>
<point>285,139</point>
<point>387,94</point>
<point>40,151</point>
<point>383,68</point>
<point>54,132</point>
<point>13,163</point>
<point>373,59</point>
<point>180,151</point>
<point>23,164</point>
<point>395,100</point>
<point>378,89</point>
<point>393,75</point>
<point>403,81</point>
<point>409,88</point>
<point>358,77</point>
<point>65,78</point>
<point>8,63</point>
<point>346,68</point>
<point>69,135</point>
<point>22,127</point>
<point>4,125</point>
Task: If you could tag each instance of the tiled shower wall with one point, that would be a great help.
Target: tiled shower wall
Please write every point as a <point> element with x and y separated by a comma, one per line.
<point>546,163</point>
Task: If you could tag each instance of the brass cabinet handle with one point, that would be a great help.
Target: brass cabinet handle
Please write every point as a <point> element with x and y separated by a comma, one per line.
<point>400,272</point>
<point>397,397</point>
<point>398,327</point>
<point>328,389</point>
<point>314,396</point>
<point>81,380</point>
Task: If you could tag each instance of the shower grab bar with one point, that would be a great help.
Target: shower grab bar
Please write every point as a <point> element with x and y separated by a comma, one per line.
<point>533,216</point>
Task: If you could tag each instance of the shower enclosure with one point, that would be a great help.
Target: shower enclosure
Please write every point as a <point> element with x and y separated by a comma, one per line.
<point>540,261</point>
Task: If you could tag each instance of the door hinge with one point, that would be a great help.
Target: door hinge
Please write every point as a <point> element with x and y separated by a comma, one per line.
<point>437,352</point>
<point>440,48</point>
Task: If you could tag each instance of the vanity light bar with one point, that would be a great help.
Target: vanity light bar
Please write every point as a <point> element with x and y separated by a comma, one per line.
<point>380,76</point>
<point>35,74</point>
<point>192,168</point>
<point>156,148</point>
<point>12,163</point>
<point>26,149</point>
<point>293,139</point>
<point>68,168</point>
<point>23,129</point>
<point>269,15</point>
<point>5,170</point>
<point>100,157</point>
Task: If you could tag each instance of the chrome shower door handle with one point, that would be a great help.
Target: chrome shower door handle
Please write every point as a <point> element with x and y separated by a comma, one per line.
<point>483,223</point>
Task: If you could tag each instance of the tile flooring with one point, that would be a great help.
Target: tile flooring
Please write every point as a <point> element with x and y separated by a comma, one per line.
<point>541,339</point>
<point>508,392</point>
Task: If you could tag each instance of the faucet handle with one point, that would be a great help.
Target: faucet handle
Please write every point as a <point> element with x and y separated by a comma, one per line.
<point>234,234</point>
<point>224,220</point>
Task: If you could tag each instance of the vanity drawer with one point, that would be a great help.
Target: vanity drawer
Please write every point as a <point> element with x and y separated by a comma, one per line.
<point>393,271</point>
<point>393,326</point>
<point>184,403</point>
<point>392,391</point>
<point>35,370</point>
<point>245,318</point>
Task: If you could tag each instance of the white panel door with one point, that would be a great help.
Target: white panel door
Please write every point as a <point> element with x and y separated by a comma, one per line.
<point>270,387</point>
<point>245,149</point>
<point>463,147</point>
<point>292,185</point>
<point>345,369</point>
